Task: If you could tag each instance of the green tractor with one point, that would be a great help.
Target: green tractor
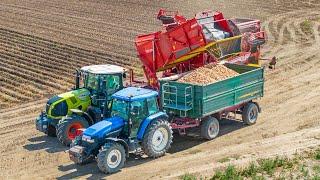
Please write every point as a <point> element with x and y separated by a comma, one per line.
<point>83,106</point>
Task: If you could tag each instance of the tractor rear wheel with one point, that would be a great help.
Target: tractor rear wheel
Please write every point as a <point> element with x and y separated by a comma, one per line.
<point>157,139</point>
<point>250,113</point>
<point>68,126</point>
<point>111,157</point>
<point>209,128</point>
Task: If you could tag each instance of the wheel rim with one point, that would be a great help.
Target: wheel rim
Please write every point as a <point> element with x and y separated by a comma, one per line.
<point>114,158</point>
<point>213,130</point>
<point>253,114</point>
<point>160,139</point>
<point>72,131</point>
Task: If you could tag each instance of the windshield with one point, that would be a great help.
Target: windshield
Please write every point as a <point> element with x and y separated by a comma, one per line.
<point>91,81</point>
<point>120,108</point>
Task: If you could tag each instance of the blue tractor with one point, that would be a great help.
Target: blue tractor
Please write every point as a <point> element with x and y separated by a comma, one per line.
<point>136,124</point>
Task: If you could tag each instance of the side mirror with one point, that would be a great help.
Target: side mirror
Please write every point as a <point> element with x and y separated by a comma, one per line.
<point>124,75</point>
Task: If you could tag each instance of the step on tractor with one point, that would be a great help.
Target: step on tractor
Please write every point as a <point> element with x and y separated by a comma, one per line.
<point>136,124</point>
<point>82,106</point>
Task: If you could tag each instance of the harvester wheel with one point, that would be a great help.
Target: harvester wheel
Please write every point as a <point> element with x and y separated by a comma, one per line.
<point>51,131</point>
<point>68,126</point>
<point>209,128</point>
<point>157,139</point>
<point>111,157</point>
<point>250,113</point>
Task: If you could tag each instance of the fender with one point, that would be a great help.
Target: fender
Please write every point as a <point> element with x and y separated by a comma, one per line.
<point>259,108</point>
<point>122,142</point>
<point>84,114</point>
<point>145,123</point>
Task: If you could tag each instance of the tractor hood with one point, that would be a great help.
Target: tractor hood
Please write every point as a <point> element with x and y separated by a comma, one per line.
<point>104,127</point>
<point>60,105</point>
<point>80,94</point>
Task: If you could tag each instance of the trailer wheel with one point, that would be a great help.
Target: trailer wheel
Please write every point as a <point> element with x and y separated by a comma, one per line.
<point>157,139</point>
<point>209,128</point>
<point>67,128</point>
<point>250,113</point>
<point>111,157</point>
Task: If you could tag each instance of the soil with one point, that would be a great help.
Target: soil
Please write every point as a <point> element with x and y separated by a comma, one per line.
<point>84,31</point>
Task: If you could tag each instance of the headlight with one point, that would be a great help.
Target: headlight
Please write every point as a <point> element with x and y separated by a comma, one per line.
<point>87,139</point>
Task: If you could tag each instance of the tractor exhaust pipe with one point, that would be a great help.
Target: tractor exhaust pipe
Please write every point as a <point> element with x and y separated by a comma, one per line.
<point>77,79</point>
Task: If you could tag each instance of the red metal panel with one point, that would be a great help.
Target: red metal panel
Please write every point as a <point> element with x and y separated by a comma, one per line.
<point>169,45</point>
<point>194,34</point>
<point>218,16</point>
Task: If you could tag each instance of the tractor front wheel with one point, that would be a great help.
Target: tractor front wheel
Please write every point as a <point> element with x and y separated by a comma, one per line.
<point>157,139</point>
<point>67,128</point>
<point>111,157</point>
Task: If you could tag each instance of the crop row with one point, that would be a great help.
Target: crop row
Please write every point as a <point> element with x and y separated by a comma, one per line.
<point>32,67</point>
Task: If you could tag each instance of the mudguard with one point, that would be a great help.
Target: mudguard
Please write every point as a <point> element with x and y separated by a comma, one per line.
<point>120,141</point>
<point>145,123</point>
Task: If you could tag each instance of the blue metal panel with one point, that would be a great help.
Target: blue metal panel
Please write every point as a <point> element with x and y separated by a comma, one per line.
<point>103,127</point>
<point>147,121</point>
<point>134,94</point>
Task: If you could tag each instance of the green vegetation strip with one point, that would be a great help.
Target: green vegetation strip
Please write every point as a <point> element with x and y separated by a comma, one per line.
<point>301,166</point>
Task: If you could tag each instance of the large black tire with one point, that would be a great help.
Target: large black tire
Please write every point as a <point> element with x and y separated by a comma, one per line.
<point>51,131</point>
<point>250,113</point>
<point>157,138</point>
<point>111,157</point>
<point>209,128</point>
<point>67,126</point>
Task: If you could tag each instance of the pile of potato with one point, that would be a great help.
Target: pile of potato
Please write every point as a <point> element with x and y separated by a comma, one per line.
<point>208,74</point>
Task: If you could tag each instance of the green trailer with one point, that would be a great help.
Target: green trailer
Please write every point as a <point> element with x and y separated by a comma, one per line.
<point>191,105</point>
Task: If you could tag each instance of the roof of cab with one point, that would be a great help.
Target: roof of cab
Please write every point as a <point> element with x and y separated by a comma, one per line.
<point>103,69</point>
<point>134,94</point>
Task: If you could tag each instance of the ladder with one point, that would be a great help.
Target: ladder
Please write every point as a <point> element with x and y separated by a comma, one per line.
<point>182,102</point>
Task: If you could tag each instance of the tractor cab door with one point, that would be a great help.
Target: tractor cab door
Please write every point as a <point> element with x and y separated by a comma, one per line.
<point>109,84</point>
<point>112,84</point>
<point>138,112</point>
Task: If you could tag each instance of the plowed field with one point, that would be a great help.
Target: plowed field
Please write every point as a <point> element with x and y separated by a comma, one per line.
<point>43,42</point>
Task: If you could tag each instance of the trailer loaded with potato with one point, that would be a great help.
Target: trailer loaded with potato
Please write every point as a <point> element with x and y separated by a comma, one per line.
<point>193,104</point>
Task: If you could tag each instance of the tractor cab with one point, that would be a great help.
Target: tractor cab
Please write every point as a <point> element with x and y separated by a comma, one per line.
<point>101,80</point>
<point>134,105</point>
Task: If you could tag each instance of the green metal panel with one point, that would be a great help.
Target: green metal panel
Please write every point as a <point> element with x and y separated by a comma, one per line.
<point>212,98</point>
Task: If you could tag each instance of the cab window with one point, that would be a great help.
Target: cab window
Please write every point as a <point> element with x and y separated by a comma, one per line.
<point>138,112</point>
<point>112,83</point>
<point>92,81</point>
<point>152,105</point>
